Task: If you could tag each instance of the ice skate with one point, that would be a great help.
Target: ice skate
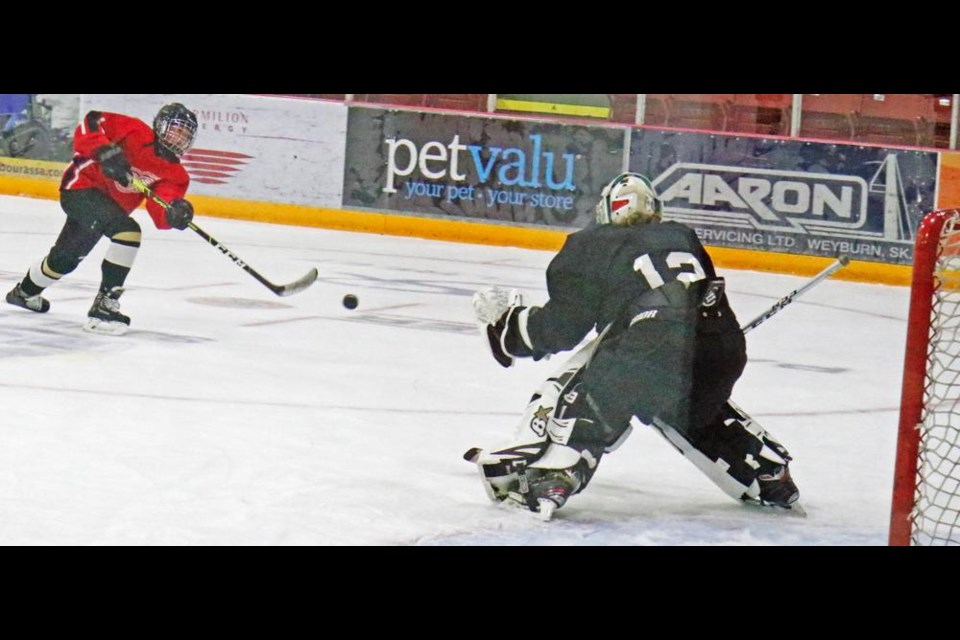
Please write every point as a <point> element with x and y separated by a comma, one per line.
<point>552,490</point>
<point>36,303</point>
<point>537,491</point>
<point>546,490</point>
<point>104,316</point>
<point>777,487</point>
<point>778,490</point>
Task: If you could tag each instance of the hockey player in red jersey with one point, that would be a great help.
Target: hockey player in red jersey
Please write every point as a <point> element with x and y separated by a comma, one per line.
<point>668,352</point>
<point>98,198</point>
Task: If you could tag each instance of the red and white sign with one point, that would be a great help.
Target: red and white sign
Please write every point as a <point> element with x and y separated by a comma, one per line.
<point>213,166</point>
<point>262,148</point>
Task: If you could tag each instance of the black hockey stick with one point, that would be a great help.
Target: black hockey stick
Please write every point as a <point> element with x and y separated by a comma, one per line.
<point>840,263</point>
<point>281,290</point>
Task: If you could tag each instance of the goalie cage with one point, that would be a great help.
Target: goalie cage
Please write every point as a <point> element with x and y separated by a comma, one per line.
<point>926,488</point>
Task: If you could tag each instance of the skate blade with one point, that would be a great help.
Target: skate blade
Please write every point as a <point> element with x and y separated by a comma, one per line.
<point>105,327</point>
<point>547,507</point>
<point>515,502</point>
<point>796,510</point>
<point>793,510</point>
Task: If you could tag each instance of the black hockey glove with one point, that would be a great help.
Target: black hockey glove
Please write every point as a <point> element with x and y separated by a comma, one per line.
<point>506,343</point>
<point>113,163</point>
<point>179,214</point>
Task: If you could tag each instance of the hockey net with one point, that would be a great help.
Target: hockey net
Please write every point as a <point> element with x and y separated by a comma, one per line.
<point>926,493</point>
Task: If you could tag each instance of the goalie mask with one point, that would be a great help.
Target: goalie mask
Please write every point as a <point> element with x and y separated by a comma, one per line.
<point>176,128</point>
<point>629,199</point>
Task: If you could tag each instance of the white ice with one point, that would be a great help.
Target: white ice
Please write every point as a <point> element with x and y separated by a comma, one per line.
<point>229,416</point>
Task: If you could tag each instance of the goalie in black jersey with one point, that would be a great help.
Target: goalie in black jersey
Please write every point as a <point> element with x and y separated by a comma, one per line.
<point>668,351</point>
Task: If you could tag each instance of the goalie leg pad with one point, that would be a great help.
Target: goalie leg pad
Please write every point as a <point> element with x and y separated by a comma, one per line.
<point>739,456</point>
<point>534,468</point>
<point>501,469</point>
<point>546,484</point>
<point>556,448</point>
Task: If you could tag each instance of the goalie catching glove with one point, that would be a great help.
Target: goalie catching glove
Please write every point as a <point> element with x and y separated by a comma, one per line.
<point>502,320</point>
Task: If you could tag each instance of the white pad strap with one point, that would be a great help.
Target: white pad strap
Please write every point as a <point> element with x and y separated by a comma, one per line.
<point>557,457</point>
<point>716,471</point>
<point>522,325</point>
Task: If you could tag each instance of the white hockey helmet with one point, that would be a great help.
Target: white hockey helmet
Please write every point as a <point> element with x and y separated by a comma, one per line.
<point>629,199</point>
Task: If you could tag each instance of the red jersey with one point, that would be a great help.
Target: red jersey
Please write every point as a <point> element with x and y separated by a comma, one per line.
<point>162,173</point>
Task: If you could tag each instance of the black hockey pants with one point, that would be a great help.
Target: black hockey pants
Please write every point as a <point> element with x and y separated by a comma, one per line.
<point>91,215</point>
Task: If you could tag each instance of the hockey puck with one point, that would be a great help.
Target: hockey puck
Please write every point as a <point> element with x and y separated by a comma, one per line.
<point>350,301</point>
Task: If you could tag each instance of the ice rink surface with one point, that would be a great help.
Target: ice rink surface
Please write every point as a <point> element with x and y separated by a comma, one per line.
<point>229,416</point>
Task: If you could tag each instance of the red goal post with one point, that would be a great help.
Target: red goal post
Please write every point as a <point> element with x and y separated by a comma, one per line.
<point>926,489</point>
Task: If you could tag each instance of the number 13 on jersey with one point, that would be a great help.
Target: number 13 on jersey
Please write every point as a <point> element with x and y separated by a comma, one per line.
<point>675,260</point>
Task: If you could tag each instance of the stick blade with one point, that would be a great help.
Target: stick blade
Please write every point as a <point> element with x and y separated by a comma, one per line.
<point>298,285</point>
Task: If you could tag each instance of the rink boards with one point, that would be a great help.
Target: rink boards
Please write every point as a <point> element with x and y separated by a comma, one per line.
<point>760,202</point>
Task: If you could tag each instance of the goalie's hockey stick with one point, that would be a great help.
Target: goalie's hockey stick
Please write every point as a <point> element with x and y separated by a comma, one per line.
<point>281,290</point>
<point>840,263</point>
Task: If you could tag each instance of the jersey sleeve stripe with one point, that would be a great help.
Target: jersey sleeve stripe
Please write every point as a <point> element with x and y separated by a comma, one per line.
<point>76,174</point>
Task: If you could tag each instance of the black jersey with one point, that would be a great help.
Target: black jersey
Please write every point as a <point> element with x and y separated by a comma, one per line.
<point>611,275</point>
